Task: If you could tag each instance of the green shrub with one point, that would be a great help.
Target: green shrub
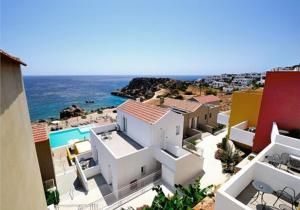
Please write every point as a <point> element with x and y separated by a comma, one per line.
<point>188,93</point>
<point>52,197</point>
<point>211,91</point>
<point>83,117</point>
<point>186,199</point>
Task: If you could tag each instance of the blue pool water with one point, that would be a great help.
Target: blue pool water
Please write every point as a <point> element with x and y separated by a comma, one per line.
<point>61,138</point>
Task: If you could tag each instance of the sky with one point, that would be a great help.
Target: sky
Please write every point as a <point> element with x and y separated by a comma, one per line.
<point>151,37</point>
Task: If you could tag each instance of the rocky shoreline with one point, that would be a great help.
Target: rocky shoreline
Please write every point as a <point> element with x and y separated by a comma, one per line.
<point>74,111</point>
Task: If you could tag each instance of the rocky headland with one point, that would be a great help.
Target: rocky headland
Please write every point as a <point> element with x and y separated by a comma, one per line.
<point>145,87</point>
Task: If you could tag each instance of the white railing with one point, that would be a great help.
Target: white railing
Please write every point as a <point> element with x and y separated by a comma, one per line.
<point>223,118</point>
<point>119,197</point>
<point>239,134</point>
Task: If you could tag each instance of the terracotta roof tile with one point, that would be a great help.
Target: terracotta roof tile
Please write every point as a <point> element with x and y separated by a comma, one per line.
<point>185,105</point>
<point>206,99</point>
<point>39,132</point>
<point>12,58</point>
<point>148,113</point>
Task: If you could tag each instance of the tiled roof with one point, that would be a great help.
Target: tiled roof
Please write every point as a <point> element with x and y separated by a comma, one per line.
<point>12,58</point>
<point>39,132</point>
<point>148,113</point>
<point>189,106</point>
<point>206,99</point>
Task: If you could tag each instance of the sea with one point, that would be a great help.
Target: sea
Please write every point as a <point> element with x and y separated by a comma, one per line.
<point>48,95</point>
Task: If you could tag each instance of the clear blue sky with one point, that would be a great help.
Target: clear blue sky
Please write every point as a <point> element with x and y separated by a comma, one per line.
<point>145,37</point>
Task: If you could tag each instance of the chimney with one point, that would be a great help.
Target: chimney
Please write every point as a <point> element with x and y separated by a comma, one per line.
<point>138,99</point>
<point>161,100</point>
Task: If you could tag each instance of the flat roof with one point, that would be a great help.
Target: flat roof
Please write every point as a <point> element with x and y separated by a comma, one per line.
<point>120,144</point>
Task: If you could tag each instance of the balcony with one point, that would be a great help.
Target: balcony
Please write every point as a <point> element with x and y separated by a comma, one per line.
<point>240,133</point>
<point>239,193</point>
<point>223,118</point>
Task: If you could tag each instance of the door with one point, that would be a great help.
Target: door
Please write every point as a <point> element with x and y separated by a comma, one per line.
<point>125,124</point>
<point>195,122</point>
<point>190,123</point>
<point>163,143</point>
<point>109,175</point>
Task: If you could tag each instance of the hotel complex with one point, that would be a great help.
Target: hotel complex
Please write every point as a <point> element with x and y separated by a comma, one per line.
<point>116,164</point>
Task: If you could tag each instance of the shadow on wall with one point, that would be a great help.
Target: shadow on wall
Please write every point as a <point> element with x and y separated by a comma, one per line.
<point>11,83</point>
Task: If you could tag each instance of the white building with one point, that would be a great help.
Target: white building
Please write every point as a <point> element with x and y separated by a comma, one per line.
<point>146,139</point>
<point>217,84</point>
<point>242,81</point>
<point>239,194</point>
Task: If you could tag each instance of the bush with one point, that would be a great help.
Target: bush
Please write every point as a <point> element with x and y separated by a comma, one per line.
<point>99,111</point>
<point>218,154</point>
<point>83,117</point>
<point>211,91</point>
<point>52,197</point>
<point>183,198</point>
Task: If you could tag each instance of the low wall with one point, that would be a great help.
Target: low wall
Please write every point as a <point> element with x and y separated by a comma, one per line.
<point>92,171</point>
<point>104,128</point>
<point>84,156</point>
<point>81,175</point>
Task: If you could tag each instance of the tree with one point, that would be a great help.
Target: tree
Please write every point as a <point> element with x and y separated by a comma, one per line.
<point>183,198</point>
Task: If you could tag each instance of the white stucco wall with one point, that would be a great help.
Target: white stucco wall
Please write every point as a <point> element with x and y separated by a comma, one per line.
<point>106,161</point>
<point>167,124</point>
<point>129,167</point>
<point>137,129</point>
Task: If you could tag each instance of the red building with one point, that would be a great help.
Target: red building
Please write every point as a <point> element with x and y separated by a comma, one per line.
<point>280,103</point>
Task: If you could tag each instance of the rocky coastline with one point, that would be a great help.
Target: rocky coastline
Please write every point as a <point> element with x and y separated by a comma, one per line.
<point>145,87</point>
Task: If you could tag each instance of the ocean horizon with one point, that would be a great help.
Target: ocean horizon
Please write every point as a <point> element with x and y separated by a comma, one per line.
<point>48,95</point>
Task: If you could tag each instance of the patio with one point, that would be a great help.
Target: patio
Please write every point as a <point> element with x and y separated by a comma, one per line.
<point>119,143</point>
<point>247,197</point>
<point>78,196</point>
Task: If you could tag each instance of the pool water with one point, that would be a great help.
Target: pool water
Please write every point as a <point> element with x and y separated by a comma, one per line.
<point>61,138</point>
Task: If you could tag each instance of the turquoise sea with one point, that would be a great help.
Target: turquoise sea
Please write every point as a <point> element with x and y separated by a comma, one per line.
<point>47,95</point>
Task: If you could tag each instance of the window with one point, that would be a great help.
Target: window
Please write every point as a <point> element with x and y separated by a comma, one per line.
<point>209,115</point>
<point>177,130</point>
<point>125,124</point>
<point>143,171</point>
<point>205,117</point>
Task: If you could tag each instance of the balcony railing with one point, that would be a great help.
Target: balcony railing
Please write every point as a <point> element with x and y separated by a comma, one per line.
<point>223,118</point>
<point>239,134</point>
<point>119,197</point>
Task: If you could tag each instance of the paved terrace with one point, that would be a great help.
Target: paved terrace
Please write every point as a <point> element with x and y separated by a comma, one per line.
<point>247,196</point>
<point>119,143</point>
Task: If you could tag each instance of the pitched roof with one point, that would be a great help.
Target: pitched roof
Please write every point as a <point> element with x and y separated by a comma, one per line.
<point>148,113</point>
<point>206,99</point>
<point>185,105</point>
<point>39,132</point>
<point>12,58</point>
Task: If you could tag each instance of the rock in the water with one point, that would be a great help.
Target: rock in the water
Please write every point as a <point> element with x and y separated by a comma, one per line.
<point>72,111</point>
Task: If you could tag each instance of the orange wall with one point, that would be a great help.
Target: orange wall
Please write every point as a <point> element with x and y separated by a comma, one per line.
<point>280,104</point>
<point>245,106</point>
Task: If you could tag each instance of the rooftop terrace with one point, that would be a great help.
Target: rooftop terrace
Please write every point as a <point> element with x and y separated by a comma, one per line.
<point>119,143</point>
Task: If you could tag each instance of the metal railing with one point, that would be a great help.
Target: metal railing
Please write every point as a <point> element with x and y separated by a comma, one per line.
<point>119,197</point>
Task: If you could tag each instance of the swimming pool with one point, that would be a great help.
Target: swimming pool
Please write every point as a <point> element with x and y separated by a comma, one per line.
<point>61,138</point>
